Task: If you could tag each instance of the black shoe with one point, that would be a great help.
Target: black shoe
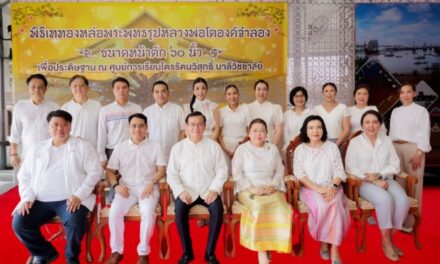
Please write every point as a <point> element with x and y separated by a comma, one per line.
<point>51,258</point>
<point>211,259</point>
<point>72,261</point>
<point>186,258</point>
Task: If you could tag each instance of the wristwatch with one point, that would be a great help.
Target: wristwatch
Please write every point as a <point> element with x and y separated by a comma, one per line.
<point>335,185</point>
<point>380,176</point>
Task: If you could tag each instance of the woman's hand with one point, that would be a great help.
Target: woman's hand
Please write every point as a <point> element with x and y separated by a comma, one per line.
<point>370,177</point>
<point>269,190</point>
<point>329,194</point>
<point>257,190</point>
<point>382,184</point>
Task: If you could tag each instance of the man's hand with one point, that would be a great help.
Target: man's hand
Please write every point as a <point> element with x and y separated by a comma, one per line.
<point>210,197</point>
<point>185,197</point>
<point>122,190</point>
<point>15,160</point>
<point>25,208</point>
<point>147,190</point>
<point>73,204</point>
<point>416,161</point>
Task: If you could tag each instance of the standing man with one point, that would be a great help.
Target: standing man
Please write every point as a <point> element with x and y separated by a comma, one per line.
<point>167,125</point>
<point>113,125</point>
<point>141,165</point>
<point>29,118</point>
<point>196,173</point>
<point>85,111</point>
<point>57,179</point>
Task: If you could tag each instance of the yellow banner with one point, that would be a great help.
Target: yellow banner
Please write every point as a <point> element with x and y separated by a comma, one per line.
<point>177,42</point>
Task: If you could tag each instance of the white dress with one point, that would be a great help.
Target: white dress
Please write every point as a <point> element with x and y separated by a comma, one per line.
<point>234,124</point>
<point>269,112</point>
<point>207,108</point>
<point>293,123</point>
<point>333,120</point>
<point>356,115</point>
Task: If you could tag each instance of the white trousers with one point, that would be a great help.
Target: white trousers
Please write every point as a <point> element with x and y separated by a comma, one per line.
<point>120,207</point>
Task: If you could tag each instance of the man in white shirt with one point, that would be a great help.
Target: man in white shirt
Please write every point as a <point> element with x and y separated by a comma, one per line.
<point>84,111</point>
<point>29,118</point>
<point>113,125</point>
<point>57,179</point>
<point>141,165</point>
<point>166,119</point>
<point>196,173</point>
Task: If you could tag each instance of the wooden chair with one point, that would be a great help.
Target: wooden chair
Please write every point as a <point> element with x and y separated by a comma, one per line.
<point>236,209</point>
<point>300,207</point>
<point>198,212</point>
<point>366,208</point>
<point>132,215</point>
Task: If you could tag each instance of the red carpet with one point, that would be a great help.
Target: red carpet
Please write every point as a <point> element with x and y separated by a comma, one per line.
<point>12,251</point>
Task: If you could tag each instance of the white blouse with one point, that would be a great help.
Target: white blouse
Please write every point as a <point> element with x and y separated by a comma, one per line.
<point>293,123</point>
<point>333,119</point>
<point>207,108</point>
<point>362,157</point>
<point>320,165</point>
<point>411,123</point>
<point>356,115</point>
<point>269,112</point>
<point>253,166</point>
<point>234,125</point>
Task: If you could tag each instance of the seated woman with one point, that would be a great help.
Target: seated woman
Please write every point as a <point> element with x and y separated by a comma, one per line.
<point>258,171</point>
<point>318,166</point>
<point>372,157</point>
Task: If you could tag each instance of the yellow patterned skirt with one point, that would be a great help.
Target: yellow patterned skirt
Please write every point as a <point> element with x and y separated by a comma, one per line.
<point>266,222</point>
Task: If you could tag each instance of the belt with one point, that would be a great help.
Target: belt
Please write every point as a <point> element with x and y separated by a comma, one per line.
<point>401,142</point>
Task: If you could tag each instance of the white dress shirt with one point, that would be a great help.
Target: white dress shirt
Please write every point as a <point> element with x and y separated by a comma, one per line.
<point>29,122</point>
<point>85,119</point>
<point>136,163</point>
<point>257,166</point>
<point>196,168</point>
<point>320,165</point>
<point>207,108</point>
<point>333,120</point>
<point>81,170</point>
<point>293,123</point>
<point>165,124</point>
<point>362,157</point>
<point>411,123</point>
<point>113,125</point>
<point>271,113</point>
<point>234,124</point>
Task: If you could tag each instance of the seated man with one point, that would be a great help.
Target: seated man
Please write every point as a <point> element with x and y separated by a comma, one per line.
<point>141,165</point>
<point>196,173</point>
<point>57,179</point>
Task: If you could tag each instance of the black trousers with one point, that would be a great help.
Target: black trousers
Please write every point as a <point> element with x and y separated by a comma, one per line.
<point>215,224</point>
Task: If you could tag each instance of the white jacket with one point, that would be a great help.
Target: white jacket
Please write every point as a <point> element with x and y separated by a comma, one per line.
<point>82,170</point>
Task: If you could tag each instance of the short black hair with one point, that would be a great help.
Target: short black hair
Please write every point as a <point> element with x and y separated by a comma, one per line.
<point>372,112</point>
<point>120,79</point>
<point>261,81</point>
<point>158,83</point>
<point>60,113</point>
<point>232,86</point>
<point>195,113</point>
<point>296,90</point>
<point>37,76</point>
<point>138,115</point>
<point>77,76</point>
<point>303,131</point>
<point>361,86</point>
<point>413,87</point>
<point>329,84</point>
<point>257,121</point>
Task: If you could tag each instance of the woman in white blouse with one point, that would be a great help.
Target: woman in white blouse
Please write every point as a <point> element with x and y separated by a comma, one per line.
<point>334,114</point>
<point>361,94</point>
<point>258,171</point>
<point>294,118</point>
<point>372,158</point>
<point>209,109</point>
<point>271,113</point>
<point>234,119</point>
<point>318,166</point>
<point>410,130</point>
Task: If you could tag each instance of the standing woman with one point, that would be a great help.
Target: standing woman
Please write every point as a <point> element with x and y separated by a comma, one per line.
<point>234,119</point>
<point>361,94</point>
<point>334,114</point>
<point>209,109</point>
<point>269,112</point>
<point>410,130</point>
<point>258,171</point>
<point>294,118</point>
<point>318,166</point>
<point>372,158</point>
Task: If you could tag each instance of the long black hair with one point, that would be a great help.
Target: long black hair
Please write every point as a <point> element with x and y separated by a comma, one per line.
<point>193,99</point>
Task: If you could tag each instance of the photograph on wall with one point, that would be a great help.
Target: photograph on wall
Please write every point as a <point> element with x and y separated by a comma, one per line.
<point>395,44</point>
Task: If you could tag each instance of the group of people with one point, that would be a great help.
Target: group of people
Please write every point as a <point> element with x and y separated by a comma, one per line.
<point>65,152</point>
